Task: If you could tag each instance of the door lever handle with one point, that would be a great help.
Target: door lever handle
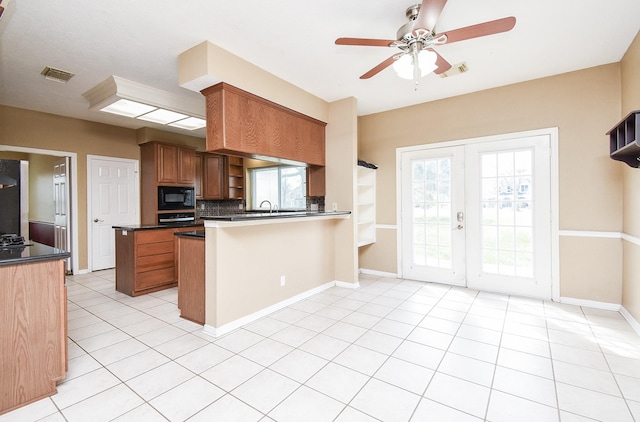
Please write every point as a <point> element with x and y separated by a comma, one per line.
<point>96,220</point>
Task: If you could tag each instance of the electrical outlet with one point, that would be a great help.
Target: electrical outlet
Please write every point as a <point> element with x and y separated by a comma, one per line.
<point>283,280</point>
<point>335,206</point>
<point>240,206</point>
<point>201,206</point>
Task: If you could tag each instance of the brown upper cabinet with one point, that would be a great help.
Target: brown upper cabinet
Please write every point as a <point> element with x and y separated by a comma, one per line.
<point>173,164</point>
<point>240,123</point>
<point>219,177</point>
<point>163,165</point>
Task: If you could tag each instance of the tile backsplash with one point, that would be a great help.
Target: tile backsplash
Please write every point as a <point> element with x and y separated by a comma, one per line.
<point>206,208</point>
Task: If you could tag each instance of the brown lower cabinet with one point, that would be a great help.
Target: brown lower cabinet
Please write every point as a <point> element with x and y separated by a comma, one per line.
<point>191,278</point>
<point>33,328</point>
<point>145,260</point>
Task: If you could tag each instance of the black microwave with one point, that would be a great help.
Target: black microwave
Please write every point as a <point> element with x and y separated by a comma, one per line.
<point>175,198</point>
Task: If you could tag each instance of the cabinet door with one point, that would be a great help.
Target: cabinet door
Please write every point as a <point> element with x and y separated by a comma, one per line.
<point>199,177</point>
<point>316,181</point>
<point>167,163</point>
<point>213,182</point>
<point>186,166</point>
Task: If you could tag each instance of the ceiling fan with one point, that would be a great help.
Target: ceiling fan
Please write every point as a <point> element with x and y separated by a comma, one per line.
<point>416,38</point>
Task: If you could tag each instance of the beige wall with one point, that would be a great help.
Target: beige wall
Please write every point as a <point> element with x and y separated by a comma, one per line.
<point>630,71</point>
<point>30,129</point>
<point>583,105</point>
<point>300,251</point>
<point>41,187</point>
<point>341,152</point>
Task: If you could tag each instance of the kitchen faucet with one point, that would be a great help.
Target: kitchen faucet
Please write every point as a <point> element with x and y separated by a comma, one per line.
<point>268,202</point>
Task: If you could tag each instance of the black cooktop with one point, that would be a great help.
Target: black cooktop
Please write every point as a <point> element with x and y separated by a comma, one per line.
<point>12,241</point>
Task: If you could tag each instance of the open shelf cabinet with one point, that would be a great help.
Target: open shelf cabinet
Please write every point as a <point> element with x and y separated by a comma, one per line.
<point>366,206</point>
<point>623,140</point>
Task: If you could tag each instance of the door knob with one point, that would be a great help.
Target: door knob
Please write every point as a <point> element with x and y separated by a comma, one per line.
<point>95,220</point>
<point>460,227</point>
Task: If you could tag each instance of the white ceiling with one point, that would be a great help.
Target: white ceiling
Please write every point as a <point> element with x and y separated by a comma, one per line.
<point>140,41</point>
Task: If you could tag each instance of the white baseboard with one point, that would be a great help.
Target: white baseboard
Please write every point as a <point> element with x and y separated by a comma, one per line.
<point>347,285</point>
<point>234,325</point>
<point>378,273</point>
<point>591,304</point>
<point>630,319</point>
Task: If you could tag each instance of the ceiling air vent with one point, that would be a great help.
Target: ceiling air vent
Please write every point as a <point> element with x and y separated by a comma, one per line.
<point>56,75</point>
<point>456,69</point>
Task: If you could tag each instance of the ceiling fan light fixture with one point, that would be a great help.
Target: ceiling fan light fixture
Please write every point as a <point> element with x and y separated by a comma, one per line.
<point>426,62</point>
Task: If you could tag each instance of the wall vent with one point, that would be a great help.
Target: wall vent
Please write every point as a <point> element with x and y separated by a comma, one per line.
<point>56,75</point>
<point>456,69</point>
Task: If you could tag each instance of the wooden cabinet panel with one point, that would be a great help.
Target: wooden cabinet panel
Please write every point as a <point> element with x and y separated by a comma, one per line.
<point>33,327</point>
<point>186,167</point>
<point>244,124</point>
<point>154,248</point>
<point>316,184</point>
<point>167,164</point>
<point>145,260</point>
<point>155,262</point>
<point>191,278</point>
<point>213,180</point>
<point>156,278</point>
<point>198,177</point>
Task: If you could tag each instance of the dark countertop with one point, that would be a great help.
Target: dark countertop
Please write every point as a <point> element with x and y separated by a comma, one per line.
<point>32,252</point>
<point>135,227</point>
<point>198,234</point>
<point>273,215</point>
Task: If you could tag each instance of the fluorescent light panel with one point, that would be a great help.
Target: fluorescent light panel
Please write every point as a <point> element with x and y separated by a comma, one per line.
<point>127,108</point>
<point>162,116</point>
<point>153,114</point>
<point>190,123</point>
<point>127,98</point>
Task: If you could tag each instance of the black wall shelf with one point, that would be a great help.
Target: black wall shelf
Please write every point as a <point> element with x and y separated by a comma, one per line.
<point>624,140</point>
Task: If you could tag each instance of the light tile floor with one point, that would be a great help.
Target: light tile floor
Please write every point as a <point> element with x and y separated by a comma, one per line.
<point>392,350</point>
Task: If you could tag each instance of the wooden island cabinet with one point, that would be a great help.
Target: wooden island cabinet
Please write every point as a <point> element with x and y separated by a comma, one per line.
<point>145,259</point>
<point>33,324</point>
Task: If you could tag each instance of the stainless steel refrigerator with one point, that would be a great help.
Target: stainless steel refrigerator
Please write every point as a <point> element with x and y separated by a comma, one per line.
<point>14,197</point>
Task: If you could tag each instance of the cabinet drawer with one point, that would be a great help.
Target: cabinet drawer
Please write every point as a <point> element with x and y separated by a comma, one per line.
<point>148,249</point>
<point>155,278</point>
<point>154,262</point>
<point>152,236</point>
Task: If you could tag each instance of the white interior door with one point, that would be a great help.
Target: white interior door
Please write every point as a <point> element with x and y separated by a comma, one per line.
<point>61,206</point>
<point>114,198</point>
<point>478,215</point>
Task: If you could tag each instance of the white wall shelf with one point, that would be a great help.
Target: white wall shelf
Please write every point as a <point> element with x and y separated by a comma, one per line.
<point>366,206</point>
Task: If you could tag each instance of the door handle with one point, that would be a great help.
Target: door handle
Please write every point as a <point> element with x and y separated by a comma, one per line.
<point>95,220</point>
<point>460,227</point>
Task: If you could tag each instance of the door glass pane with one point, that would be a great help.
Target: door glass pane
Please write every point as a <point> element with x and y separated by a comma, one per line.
<point>431,180</point>
<point>507,222</point>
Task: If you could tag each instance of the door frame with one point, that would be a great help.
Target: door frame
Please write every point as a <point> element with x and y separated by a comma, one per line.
<point>90,158</point>
<point>73,158</point>
<point>552,132</point>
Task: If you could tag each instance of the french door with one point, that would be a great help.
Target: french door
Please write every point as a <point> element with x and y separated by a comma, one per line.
<point>478,215</point>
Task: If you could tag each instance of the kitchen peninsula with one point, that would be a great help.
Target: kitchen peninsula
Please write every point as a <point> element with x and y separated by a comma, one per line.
<point>33,326</point>
<point>258,263</point>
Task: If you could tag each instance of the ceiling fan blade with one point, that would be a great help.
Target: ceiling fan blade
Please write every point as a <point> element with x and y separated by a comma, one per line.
<point>442,64</point>
<point>428,15</point>
<point>366,42</point>
<point>479,30</point>
<point>379,67</point>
